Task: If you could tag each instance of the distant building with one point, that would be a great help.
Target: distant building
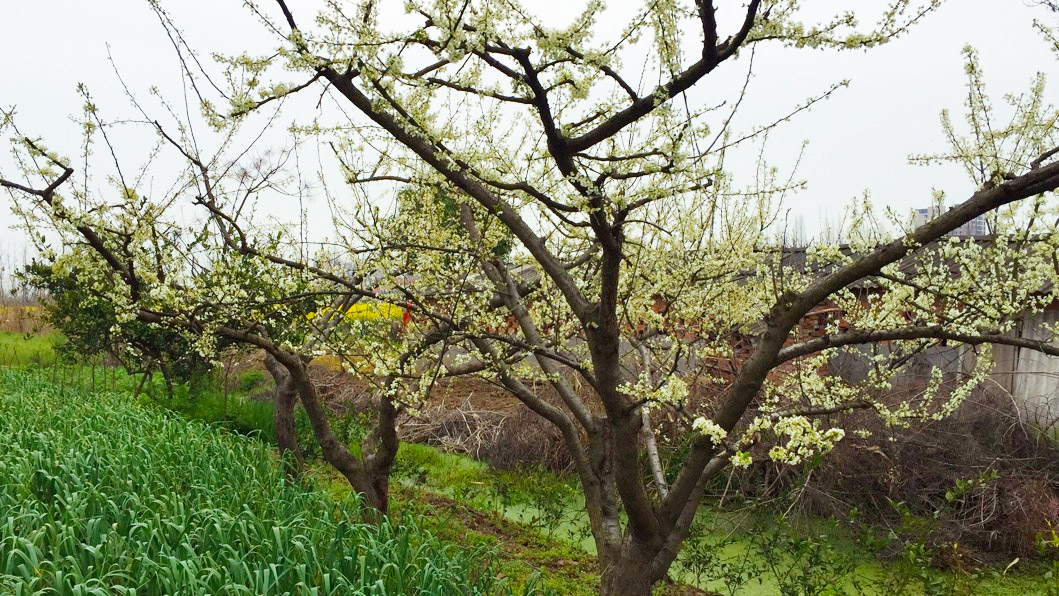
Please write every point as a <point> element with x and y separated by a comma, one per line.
<point>976,227</point>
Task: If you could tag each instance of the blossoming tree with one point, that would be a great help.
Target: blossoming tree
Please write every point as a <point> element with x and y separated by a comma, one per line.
<point>562,222</point>
<point>639,264</point>
<point>218,278</point>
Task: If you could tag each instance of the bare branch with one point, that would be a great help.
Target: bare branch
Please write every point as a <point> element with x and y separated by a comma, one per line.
<point>677,85</point>
<point>940,333</point>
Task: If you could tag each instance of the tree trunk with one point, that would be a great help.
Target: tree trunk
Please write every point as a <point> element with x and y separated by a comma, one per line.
<point>374,487</point>
<point>167,378</point>
<point>370,480</point>
<point>286,434</point>
<point>625,576</point>
<point>379,449</point>
<point>283,416</point>
<point>623,561</point>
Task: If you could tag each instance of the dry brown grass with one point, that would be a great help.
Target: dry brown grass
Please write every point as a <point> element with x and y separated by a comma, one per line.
<point>22,318</point>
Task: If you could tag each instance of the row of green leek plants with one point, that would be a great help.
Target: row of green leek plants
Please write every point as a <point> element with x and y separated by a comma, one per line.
<point>101,496</point>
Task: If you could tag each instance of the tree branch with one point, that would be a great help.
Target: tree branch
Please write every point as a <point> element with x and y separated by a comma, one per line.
<point>1031,183</point>
<point>940,333</point>
<point>675,86</point>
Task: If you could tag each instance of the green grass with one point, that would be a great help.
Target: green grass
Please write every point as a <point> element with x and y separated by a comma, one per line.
<point>18,349</point>
<point>202,401</point>
<point>535,498</point>
<point>753,553</point>
<point>526,557</point>
<point>103,496</point>
<point>239,411</point>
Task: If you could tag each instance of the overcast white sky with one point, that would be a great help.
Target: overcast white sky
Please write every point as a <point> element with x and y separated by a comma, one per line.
<point>858,141</point>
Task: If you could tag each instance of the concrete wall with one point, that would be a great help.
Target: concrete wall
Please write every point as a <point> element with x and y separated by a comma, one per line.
<point>1030,376</point>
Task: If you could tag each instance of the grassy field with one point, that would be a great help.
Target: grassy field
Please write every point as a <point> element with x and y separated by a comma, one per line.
<point>526,528</point>
<point>17,349</point>
<point>104,496</point>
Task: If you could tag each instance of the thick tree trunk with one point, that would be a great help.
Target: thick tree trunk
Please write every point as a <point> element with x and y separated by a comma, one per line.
<point>368,474</point>
<point>374,487</point>
<point>624,562</point>
<point>379,450</point>
<point>625,576</point>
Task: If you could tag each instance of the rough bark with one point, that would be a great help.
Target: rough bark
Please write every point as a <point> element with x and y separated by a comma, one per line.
<point>626,575</point>
<point>286,434</point>
<point>284,403</point>
<point>380,451</point>
<point>370,478</point>
<point>369,474</point>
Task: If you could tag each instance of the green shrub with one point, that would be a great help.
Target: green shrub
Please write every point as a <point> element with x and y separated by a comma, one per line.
<point>251,380</point>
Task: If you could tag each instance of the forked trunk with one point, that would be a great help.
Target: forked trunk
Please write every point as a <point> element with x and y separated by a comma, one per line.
<point>631,566</point>
<point>368,474</point>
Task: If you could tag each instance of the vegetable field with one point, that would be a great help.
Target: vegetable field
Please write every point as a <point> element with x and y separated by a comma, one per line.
<point>102,496</point>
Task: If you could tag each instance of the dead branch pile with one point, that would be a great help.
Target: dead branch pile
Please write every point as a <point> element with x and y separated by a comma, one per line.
<point>506,440</point>
<point>980,478</point>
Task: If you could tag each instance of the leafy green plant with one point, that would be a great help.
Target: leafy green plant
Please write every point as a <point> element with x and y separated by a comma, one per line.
<point>502,492</point>
<point>777,559</point>
<point>706,557</point>
<point>550,500</point>
<point>966,486</point>
<point>1049,546</point>
<point>913,569</point>
<point>250,380</point>
<point>105,497</point>
<point>806,564</point>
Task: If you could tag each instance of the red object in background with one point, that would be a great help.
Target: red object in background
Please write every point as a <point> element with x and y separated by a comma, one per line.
<point>407,315</point>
